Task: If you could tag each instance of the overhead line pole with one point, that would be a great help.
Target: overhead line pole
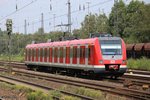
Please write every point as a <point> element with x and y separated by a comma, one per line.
<point>33,27</point>
<point>54,21</point>
<point>69,17</point>
<point>116,13</point>
<point>25,26</point>
<point>88,17</point>
<point>42,23</point>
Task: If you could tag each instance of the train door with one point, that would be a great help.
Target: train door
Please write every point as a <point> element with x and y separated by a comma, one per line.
<point>90,54</point>
<point>74,55</point>
<point>78,54</point>
<point>55,55</point>
<point>82,54</point>
<point>64,53</point>
<point>41,54</point>
<point>29,54</point>
<point>61,55</point>
<point>37,50</point>
<point>32,54</point>
<point>67,55</point>
<point>50,55</point>
<point>26,53</point>
<point>86,54</point>
<point>45,54</point>
<point>71,54</point>
<point>58,55</point>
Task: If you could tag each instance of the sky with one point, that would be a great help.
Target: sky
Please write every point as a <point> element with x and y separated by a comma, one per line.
<point>30,10</point>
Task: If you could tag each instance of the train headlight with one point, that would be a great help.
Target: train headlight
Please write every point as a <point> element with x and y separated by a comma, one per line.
<point>124,61</point>
<point>101,61</point>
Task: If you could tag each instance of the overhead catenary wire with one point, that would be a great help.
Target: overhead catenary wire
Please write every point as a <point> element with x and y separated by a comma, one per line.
<point>18,10</point>
<point>73,12</point>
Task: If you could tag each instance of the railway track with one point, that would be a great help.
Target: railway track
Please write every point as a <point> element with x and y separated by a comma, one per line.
<point>107,87</point>
<point>138,77</point>
<point>138,72</point>
<point>138,94</point>
<point>129,79</point>
<point>45,89</point>
<point>23,66</point>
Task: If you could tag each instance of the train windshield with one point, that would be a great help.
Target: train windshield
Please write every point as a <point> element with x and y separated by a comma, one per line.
<point>111,47</point>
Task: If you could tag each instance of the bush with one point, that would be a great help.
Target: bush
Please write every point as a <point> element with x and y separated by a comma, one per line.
<point>55,93</point>
<point>84,91</point>
<point>70,98</point>
<point>141,64</point>
<point>38,95</point>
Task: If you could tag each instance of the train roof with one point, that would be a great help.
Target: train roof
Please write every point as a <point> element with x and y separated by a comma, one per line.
<point>64,43</point>
<point>109,38</point>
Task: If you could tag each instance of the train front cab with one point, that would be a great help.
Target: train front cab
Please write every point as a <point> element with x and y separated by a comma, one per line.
<point>111,57</point>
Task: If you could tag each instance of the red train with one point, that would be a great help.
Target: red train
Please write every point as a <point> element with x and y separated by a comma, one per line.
<point>100,55</point>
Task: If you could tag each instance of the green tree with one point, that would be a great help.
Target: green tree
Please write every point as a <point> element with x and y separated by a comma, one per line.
<point>88,25</point>
<point>102,24</point>
<point>144,25</point>
<point>138,22</point>
<point>76,33</point>
<point>117,18</point>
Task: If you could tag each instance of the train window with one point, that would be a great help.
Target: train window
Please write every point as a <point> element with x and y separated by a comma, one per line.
<point>111,47</point>
<point>37,54</point>
<point>28,50</point>
<point>29,54</point>
<point>90,55</point>
<point>67,54</point>
<point>74,55</point>
<point>34,52</point>
<point>82,55</point>
<point>61,55</point>
<point>48,52</point>
<point>45,52</point>
<point>26,54</point>
<point>71,52</point>
<point>50,55</point>
<point>55,54</point>
<point>41,52</point>
<point>61,52</point>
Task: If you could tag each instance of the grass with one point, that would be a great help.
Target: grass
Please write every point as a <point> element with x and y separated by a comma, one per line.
<point>13,58</point>
<point>37,95</point>
<point>84,91</point>
<point>140,64</point>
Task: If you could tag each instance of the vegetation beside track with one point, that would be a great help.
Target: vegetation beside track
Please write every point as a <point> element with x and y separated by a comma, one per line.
<point>18,58</point>
<point>96,94</point>
<point>35,95</point>
<point>84,91</point>
<point>139,64</point>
